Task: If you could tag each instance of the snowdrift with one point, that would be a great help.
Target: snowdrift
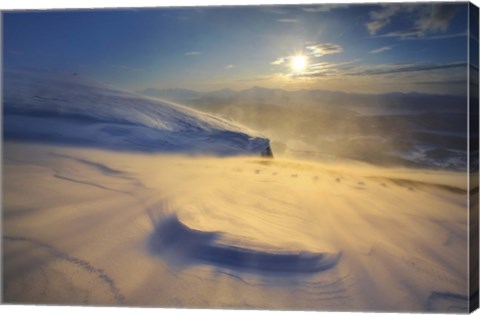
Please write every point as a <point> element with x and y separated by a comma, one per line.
<point>102,227</point>
<point>50,107</point>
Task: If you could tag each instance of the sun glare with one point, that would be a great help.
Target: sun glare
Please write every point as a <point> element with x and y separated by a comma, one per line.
<point>299,63</point>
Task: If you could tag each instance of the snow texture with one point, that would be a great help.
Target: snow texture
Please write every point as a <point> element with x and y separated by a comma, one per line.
<point>65,108</point>
<point>116,228</point>
<point>95,213</point>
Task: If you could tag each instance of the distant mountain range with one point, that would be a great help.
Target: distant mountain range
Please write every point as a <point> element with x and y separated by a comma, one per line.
<point>357,102</point>
<point>410,129</point>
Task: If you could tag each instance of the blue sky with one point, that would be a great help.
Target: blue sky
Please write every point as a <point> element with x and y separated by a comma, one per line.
<point>356,48</point>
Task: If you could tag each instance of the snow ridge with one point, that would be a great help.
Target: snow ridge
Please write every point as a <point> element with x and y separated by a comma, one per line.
<point>45,106</point>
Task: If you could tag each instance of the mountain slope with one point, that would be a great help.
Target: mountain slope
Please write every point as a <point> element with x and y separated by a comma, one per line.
<point>65,108</point>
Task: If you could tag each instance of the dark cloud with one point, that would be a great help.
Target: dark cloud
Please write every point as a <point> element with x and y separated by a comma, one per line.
<point>437,19</point>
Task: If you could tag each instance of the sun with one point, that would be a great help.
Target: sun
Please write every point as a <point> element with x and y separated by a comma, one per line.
<point>299,63</point>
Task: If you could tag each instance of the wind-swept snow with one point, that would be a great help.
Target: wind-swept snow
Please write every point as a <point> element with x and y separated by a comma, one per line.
<point>44,106</point>
<point>90,218</point>
<point>116,228</point>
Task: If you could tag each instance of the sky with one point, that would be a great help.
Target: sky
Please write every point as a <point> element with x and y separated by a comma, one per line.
<point>353,48</point>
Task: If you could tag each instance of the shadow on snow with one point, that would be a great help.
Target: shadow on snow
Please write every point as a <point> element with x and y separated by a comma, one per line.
<point>182,245</point>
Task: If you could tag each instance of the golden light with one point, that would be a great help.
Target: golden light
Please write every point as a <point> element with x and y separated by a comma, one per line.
<point>299,63</point>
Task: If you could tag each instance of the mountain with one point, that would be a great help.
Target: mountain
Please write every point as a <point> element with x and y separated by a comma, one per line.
<point>388,103</point>
<point>407,129</point>
<point>44,106</point>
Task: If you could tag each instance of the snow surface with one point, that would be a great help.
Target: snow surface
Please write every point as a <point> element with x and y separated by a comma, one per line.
<point>95,213</point>
<point>65,108</point>
<point>89,226</point>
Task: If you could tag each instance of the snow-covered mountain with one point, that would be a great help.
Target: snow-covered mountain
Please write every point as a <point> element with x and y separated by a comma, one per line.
<point>63,108</point>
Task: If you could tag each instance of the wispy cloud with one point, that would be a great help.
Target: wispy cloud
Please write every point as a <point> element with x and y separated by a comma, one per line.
<point>349,69</point>
<point>437,19</point>
<point>288,21</point>
<point>380,50</point>
<point>193,53</point>
<point>458,81</point>
<point>325,7</point>
<point>329,65</point>
<point>229,66</point>
<point>381,18</point>
<point>401,68</point>
<point>312,51</point>
<point>275,10</point>
<point>408,33</point>
<point>259,78</point>
<point>318,50</point>
<point>431,18</point>
<point>278,61</point>
<point>326,69</point>
<point>413,34</point>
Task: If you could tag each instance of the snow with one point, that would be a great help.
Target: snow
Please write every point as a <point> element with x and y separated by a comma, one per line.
<point>111,198</point>
<point>65,108</point>
<point>105,227</point>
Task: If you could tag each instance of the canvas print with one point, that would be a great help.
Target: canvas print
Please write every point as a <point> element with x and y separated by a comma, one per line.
<point>285,157</point>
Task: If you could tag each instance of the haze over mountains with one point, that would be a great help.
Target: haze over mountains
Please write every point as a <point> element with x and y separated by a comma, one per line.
<point>409,129</point>
<point>361,103</point>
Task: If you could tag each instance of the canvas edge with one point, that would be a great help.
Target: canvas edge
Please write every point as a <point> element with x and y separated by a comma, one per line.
<point>473,128</point>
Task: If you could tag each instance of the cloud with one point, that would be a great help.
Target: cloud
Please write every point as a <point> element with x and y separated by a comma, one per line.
<point>437,19</point>
<point>310,74</point>
<point>319,50</point>
<point>382,17</point>
<point>339,65</point>
<point>278,61</point>
<point>432,18</point>
<point>381,49</point>
<point>413,34</point>
<point>229,67</point>
<point>259,78</point>
<point>312,51</point>
<point>463,34</point>
<point>325,7</point>
<point>288,21</point>
<point>275,10</point>
<point>193,53</point>
<point>348,69</point>
<point>326,69</point>
<point>458,81</point>
<point>402,68</point>
<point>409,33</point>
